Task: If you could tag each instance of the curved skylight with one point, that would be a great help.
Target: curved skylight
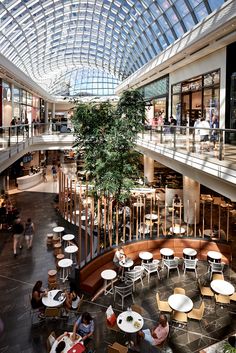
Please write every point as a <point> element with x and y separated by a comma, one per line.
<point>49,38</point>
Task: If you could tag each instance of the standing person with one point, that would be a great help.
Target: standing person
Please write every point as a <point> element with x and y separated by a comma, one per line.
<point>18,231</point>
<point>29,233</point>
<point>54,172</point>
<point>45,173</point>
<point>84,326</point>
<point>204,127</point>
<point>157,335</point>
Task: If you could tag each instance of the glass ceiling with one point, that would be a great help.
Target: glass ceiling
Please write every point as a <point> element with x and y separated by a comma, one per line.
<point>69,43</point>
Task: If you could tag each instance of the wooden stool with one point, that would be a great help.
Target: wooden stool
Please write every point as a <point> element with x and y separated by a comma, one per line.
<point>58,258</point>
<point>55,239</point>
<point>57,249</point>
<point>52,279</point>
<point>49,239</point>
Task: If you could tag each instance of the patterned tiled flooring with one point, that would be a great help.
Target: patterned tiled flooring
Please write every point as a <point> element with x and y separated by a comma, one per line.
<point>18,275</point>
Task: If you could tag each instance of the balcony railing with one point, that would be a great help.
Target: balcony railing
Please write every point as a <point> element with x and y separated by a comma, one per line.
<point>216,143</point>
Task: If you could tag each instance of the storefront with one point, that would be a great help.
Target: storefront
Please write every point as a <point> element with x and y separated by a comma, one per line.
<point>157,92</point>
<point>195,98</point>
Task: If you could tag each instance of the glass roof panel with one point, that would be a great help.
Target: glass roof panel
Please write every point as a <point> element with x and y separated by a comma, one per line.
<point>53,40</point>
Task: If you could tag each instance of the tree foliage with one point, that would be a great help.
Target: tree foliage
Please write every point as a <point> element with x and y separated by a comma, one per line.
<point>107,134</point>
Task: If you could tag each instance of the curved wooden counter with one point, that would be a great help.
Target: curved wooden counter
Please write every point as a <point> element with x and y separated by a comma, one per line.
<point>90,274</point>
<point>28,181</point>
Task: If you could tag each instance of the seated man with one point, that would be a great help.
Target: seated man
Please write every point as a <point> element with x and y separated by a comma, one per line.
<point>157,335</point>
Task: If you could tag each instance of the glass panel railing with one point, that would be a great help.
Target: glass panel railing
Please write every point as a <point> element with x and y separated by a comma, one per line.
<point>216,143</point>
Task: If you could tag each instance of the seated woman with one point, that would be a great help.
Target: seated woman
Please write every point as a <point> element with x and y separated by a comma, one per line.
<point>84,326</point>
<point>119,256</point>
<point>157,335</point>
<point>72,300</point>
<point>37,293</point>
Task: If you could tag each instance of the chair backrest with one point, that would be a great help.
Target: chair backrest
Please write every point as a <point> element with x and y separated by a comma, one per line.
<point>158,299</point>
<point>52,312</point>
<point>150,266</point>
<point>201,309</point>
<point>216,267</point>
<point>50,340</point>
<point>190,264</point>
<point>111,349</point>
<point>178,290</point>
<point>171,263</point>
<point>124,291</point>
<point>135,273</point>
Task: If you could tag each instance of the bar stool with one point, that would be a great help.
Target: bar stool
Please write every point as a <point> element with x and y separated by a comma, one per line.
<point>68,238</point>
<point>52,279</point>
<point>57,249</point>
<point>49,239</point>
<point>58,231</point>
<point>58,258</point>
<point>65,265</point>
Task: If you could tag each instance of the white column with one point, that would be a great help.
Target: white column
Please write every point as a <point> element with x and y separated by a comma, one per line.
<point>148,168</point>
<point>12,100</point>
<point>53,111</point>
<point>191,200</point>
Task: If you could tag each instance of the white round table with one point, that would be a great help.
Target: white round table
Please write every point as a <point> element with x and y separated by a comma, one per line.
<point>189,253</point>
<point>52,303</point>
<point>177,230</point>
<point>138,204</point>
<point>68,238</point>
<point>130,326</point>
<point>208,232</point>
<point>145,256</point>
<point>151,217</point>
<point>222,287</point>
<point>167,253</point>
<point>58,230</point>
<point>127,263</point>
<point>65,265</point>
<point>69,343</point>
<point>71,249</point>
<point>108,275</point>
<point>180,302</point>
<point>214,255</point>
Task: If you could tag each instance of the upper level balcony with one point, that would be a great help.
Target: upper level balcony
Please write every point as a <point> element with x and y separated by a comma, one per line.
<point>211,162</point>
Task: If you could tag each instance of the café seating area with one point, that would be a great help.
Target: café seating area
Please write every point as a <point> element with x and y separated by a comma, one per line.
<point>204,321</point>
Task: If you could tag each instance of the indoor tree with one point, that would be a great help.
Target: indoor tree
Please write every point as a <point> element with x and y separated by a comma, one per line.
<point>107,135</point>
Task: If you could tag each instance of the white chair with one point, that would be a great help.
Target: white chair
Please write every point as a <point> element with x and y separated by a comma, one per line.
<point>190,265</point>
<point>124,292</point>
<point>215,267</point>
<point>151,268</point>
<point>171,265</point>
<point>135,275</point>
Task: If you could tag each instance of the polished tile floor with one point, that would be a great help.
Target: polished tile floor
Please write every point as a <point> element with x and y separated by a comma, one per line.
<point>17,276</point>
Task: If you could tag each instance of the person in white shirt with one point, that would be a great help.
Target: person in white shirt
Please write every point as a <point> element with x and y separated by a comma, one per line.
<point>204,128</point>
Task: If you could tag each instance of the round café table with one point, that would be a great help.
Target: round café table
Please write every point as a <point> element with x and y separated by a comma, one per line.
<point>222,287</point>
<point>125,264</point>
<point>177,230</point>
<point>189,253</point>
<point>71,249</point>
<point>167,253</point>
<point>65,265</point>
<point>108,275</point>
<point>68,238</point>
<point>151,217</point>
<point>58,230</point>
<point>70,345</point>
<point>49,300</point>
<point>180,302</point>
<point>146,256</point>
<point>129,327</point>
<point>214,255</point>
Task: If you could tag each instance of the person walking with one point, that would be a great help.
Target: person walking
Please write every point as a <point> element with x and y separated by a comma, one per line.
<point>29,233</point>
<point>54,173</point>
<point>18,231</point>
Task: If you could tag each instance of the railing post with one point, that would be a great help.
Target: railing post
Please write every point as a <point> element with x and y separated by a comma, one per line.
<point>151,134</point>
<point>194,141</point>
<point>221,145</point>
<point>161,137</point>
<point>175,128</point>
<point>9,137</point>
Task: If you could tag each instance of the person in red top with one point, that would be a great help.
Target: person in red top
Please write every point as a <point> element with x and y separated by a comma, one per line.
<point>157,335</point>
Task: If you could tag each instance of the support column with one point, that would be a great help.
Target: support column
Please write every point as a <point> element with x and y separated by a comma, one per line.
<point>46,112</point>
<point>53,111</point>
<point>191,200</point>
<point>148,168</point>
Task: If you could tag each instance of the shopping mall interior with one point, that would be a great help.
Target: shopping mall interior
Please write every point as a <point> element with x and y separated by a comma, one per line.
<point>169,248</point>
